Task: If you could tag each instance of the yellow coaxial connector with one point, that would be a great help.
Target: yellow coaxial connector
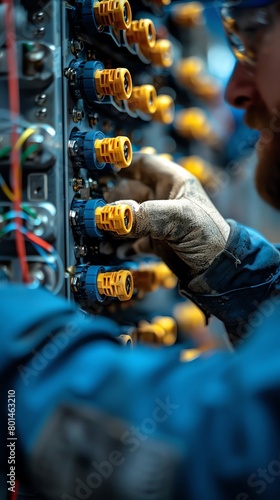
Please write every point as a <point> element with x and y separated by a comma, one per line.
<point>117,150</point>
<point>161,54</point>
<point>164,275</point>
<point>142,32</point>
<point>167,156</point>
<point>191,73</point>
<point>162,2</point>
<point>189,355</point>
<point>192,123</point>
<point>189,70</point>
<point>143,98</point>
<point>162,330</point>
<point>145,280</point>
<point>115,218</point>
<point>117,284</point>
<point>189,317</point>
<point>116,13</point>
<point>188,14</point>
<point>148,150</point>
<point>115,82</point>
<point>169,326</point>
<point>198,167</point>
<point>165,109</point>
<point>149,277</point>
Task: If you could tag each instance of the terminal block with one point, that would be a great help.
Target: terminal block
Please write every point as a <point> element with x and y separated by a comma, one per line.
<point>143,98</point>
<point>92,217</point>
<point>141,32</point>
<point>92,17</point>
<point>89,80</point>
<point>162,330</point>
<point>96,284</point>
<point>161,54</point>
<point>92,150</point>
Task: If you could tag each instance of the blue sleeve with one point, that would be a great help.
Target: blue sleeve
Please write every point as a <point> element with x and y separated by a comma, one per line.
<point>221,412</point>
<point>238,280</point>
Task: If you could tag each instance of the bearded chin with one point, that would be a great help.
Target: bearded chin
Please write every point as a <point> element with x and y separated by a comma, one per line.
<point>267,174</point>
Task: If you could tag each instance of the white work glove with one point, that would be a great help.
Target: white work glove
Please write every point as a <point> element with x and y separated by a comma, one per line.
<point>178,211</point>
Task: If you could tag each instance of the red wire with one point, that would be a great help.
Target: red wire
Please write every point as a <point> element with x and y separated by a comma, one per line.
<point>13,86</point>
<point>14,494</point>
<point>40,242</point>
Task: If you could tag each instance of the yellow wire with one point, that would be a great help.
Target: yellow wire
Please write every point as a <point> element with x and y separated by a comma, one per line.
<point>24,136</point>
<point>19,143</point>
<point>21,140</point>
<point>6,190</point>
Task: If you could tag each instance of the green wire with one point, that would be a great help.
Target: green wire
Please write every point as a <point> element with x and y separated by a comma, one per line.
<point>31,149</point>
<point>5,151</point>
<point>30,212</point>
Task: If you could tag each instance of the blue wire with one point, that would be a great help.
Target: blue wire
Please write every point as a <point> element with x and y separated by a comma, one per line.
<point>58,266</point>
<point>13,215</point>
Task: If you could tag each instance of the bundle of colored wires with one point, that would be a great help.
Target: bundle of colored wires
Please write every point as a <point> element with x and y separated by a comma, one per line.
<point>5,152</point>
<point>13,85</point>
<point>42,247</point>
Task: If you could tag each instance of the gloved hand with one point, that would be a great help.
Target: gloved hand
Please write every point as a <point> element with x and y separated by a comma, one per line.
<point>170,205</point>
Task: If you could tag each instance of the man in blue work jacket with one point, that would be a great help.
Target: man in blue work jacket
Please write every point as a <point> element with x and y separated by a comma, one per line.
<point>94,420</point>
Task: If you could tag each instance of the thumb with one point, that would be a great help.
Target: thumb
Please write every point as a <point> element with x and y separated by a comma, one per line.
<point>160,219</point>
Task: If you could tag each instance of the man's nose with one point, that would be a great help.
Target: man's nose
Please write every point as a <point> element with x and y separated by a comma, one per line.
<point>241,91</point>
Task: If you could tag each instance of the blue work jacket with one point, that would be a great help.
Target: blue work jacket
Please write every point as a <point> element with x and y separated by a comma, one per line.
<point>218,415</point>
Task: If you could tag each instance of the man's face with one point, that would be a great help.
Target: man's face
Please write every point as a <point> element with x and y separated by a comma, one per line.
<point>256,89</point>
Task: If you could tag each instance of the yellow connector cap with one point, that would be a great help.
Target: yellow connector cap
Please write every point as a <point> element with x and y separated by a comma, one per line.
<point>117,150</point>
<point>150,277</point>
<point>148,150</point>
<point>162,2</point>
<point>169,326</point>
<point>165,109</point>
<point>198,167</point>
<point>143,98</point>
<point>162,330</point>
<point>189,355</point>
<point>188,14</point>
<point>193,124</point>
<point>115,218</point>
<point>117,284</point>
<point>189,70</point>
<point>161,54</point>
<point>191,73</point>
<point>189,317</point>
<point>116,13</point>
<point>142,32</point>
<point>167,156</point>
<point>164,276</point>
<point>115,82</point>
